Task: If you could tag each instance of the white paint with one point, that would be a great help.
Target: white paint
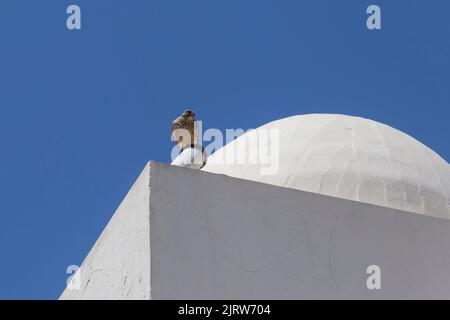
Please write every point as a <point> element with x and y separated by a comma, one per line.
<point>351,158</point>
<point>192,158</point>
<point>217,237</point>
<point>118,266</point>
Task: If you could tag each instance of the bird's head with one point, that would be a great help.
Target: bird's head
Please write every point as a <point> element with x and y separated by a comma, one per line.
<point>188,113</point>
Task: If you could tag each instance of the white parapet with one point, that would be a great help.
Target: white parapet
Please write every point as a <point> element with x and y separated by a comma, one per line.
<point>118,266</point>
<point>187,234</point>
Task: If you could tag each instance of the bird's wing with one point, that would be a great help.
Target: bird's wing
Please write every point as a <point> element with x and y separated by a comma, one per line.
<point>177,124</point>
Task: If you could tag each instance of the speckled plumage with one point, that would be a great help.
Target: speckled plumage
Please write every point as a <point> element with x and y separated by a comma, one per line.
<point>184,129</point>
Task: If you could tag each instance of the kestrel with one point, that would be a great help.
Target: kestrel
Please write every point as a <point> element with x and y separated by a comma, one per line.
<point>185,129</point>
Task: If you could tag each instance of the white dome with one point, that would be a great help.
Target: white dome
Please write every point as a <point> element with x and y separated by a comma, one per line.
<point>347,157</point>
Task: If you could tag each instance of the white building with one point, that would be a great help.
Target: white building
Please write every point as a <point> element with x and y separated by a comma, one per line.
<point>348,194</point>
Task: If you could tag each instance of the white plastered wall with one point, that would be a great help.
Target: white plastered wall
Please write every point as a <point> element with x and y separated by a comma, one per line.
<point>217,237</point>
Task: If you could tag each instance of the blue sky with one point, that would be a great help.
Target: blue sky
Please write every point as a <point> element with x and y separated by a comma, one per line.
<point>81,112</point>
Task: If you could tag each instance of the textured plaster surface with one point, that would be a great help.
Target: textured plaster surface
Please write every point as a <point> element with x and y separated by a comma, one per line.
<point>210,236</point>
<point>344,157</point>
<point>118,266</point>
<point>216,237</point>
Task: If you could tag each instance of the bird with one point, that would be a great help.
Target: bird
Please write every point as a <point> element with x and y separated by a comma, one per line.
<point>185,134</point>
<point>185,130</point>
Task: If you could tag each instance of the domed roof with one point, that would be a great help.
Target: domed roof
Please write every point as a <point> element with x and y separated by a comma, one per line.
<point>346,157</point>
